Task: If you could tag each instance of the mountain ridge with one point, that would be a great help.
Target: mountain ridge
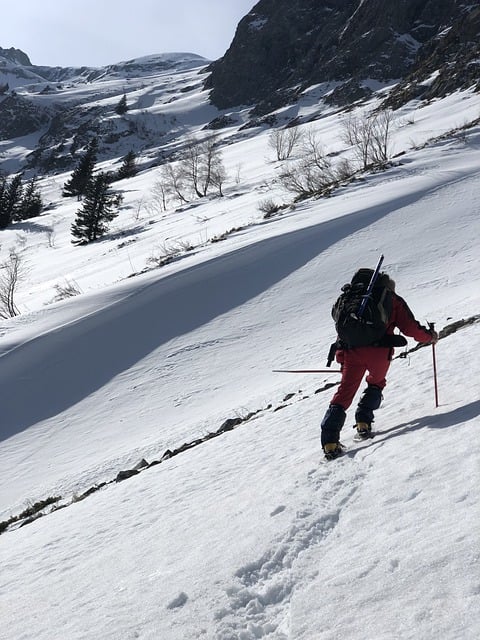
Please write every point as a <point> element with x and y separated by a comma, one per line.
<point>347,48</point>
<point>276,52</point>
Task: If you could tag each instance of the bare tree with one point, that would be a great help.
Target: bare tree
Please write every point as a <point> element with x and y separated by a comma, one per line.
<point>380,151</point>
<point>190,164</point>
<point>312,173</point>
<point>238,171</point>
<point>284,141</point>
<point>51,233</point>
<point>268,207</point>
<point>315,156</point>
<point>159,195</point>
<point>369,135</point>
<point>11,273</point>
<point>199,170</point>
<point>173,183</point>
<point>202,166</point>
<point>356,132</point>
<point>218,173</point>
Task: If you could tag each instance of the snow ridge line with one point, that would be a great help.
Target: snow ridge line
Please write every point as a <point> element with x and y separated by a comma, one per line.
<point>37,510</point>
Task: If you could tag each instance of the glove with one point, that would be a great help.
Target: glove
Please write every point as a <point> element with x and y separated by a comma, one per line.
<point>434,336</point>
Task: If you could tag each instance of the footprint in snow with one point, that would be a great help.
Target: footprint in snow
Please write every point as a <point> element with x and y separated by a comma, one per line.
<point>278,510</point>
<point>178,602</point>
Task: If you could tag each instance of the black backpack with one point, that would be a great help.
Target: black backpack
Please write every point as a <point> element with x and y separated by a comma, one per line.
<point>368,329</point>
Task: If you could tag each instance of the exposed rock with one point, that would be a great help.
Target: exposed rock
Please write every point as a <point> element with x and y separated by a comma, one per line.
<point>229,424</point>
<point>220,123</point>
<point>19,117</point>
<point>124,475</point>
<point>286,45</point>
<point>17,56</point>
<point>347,93</point>
<point>445,63</point>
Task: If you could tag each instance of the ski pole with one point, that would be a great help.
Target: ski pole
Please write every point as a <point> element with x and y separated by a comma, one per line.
<point>306,371</point>
<point>435,383</point>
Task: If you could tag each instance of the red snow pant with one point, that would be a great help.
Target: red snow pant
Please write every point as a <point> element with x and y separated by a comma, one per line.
<point>355,362</point>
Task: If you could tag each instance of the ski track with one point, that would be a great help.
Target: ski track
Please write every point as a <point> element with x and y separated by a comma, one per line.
<point>259,599</point>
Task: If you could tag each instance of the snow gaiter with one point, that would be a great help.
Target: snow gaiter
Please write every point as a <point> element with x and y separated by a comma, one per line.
<point>332,424</point>
<point>370,400</point>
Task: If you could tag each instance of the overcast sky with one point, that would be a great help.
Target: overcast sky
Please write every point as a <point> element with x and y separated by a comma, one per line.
<point>101,32</point>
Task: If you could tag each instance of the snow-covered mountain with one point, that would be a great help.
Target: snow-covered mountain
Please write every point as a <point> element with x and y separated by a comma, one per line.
<point>17,70</point>
<point>228,524</point>
<point>55,111</point>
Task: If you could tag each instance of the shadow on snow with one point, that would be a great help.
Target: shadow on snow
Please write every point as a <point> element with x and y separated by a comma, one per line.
<point>47,375</point>
<point>435,421</point>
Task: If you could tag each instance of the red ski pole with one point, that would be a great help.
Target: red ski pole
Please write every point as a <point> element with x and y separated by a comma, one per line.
<point>306,371</point>
<point>435,383</point>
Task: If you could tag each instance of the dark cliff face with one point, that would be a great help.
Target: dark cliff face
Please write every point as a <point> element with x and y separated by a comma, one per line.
<point>447,62</point>
<point>285,45</point>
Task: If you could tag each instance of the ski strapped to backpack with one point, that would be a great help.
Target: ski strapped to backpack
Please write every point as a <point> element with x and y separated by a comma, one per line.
<point>371,284</point>
<point>363,310</point>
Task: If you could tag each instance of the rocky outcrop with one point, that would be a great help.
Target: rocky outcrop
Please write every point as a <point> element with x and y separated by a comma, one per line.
<point>19,117</point>
<point>283,46</point>
<point>17,56</point>
<point>447,62</point>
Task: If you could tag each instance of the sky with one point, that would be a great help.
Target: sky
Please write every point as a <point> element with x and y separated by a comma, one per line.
<point>92,33</point>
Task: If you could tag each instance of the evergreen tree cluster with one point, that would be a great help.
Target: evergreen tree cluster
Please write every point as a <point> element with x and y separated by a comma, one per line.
<point>18,200</point>
<point>100,205</point>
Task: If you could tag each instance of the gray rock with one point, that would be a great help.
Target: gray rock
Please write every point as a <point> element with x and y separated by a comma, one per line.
<point>285,44</point>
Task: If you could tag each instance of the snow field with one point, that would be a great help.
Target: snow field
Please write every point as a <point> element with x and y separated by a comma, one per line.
<point>251,534</point>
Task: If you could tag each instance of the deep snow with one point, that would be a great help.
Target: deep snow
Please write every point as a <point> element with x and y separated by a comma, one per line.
<point>250,534</point>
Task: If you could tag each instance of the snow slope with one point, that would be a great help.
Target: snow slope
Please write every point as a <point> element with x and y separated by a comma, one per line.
<point>250,534</point>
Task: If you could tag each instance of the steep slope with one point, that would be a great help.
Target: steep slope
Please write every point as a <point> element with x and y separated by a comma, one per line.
<point>448,62</point>
<point>250,535</point>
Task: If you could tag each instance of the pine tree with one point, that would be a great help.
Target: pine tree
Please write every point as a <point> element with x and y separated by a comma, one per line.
<point>10,199</point>
<point>99,208</point>
<point>83,173</point>
<point>31,204</point>
<point>129,166</point>
<point>122,106</point>
<point>4,216</point>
